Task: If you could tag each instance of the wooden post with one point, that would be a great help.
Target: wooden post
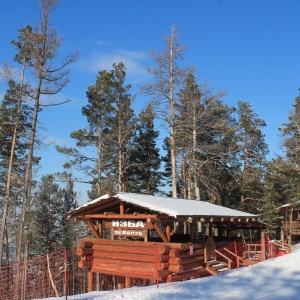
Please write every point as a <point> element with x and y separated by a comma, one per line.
<point>228,230</point>
<point>127,282</point>
<point>258,233</point>
<point>120,283</point>
<point>192,232</point>
<point>100,228</point>
<point>90,281</point>
<point>210,233</point>
<point>263,247</point>
<point>121,208</point>
<point>168,232</point>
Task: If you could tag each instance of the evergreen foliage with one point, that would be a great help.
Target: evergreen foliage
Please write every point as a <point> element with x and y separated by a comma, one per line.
<point>252,155</point>
<point>144,174</point>
<point>47,216</point>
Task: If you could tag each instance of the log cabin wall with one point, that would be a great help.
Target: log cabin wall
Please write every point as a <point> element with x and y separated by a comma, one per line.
<point>153,238</point>
<point>161,262</point>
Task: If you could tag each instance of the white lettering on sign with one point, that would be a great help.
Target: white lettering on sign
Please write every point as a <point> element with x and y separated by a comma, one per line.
<point>127,232</point>
<point>128,223</point>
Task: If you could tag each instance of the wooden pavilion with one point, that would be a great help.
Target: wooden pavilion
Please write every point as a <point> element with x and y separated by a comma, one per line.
<point>155,238</point>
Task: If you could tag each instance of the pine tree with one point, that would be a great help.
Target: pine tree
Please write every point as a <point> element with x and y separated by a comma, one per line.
<point>15,123</point>
<point>291,136</point>
<point>168,78</point>
<point>144,175</point>
<point>41,50</point>
<point>252,153</point>
<point>122,125</point>
<point>95,138</point>
<point>203,129</point>
<point>291,143</point>
<point>45,236</point>
<point>276,193</point>
<point>69,202</point>
<point>111,125</point>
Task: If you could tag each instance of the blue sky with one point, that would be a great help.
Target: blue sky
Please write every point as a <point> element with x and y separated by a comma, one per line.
<point>250,49</point>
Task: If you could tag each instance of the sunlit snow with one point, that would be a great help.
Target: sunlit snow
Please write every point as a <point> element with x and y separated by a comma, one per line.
<point>273,279</point>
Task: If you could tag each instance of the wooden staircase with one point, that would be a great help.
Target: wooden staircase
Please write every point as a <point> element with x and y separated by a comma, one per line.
<point>214,267</point>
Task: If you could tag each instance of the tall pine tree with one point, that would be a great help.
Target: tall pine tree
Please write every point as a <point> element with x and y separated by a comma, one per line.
<point>252,155</point>
<point>143,175</point>
<point>45,236</point>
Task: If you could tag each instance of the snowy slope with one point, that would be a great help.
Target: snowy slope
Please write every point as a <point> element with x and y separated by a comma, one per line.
<point>270,280</point>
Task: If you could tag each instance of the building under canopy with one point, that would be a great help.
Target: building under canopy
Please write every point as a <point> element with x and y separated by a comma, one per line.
<point>167,216</point>
<point>158,238</point>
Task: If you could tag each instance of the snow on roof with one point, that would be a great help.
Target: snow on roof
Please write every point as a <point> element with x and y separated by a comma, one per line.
<point>174,207</point>
<point>288,204</point>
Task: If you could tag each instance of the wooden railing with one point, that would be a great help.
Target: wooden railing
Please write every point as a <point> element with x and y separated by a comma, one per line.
<point>253,254</point>
<point>276,246</point>
<point>238,259</point>
<point>229,261</point>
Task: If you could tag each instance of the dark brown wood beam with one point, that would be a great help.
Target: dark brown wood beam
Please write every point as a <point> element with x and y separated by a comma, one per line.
<point>93,229</point>
<point>160,233</point>
<point>118,216</point>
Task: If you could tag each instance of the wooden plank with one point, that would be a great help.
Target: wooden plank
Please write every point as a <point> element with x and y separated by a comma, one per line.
<point>84,251</point>
<point>122,264</point>
<point>121,217</point>
<point>181,268</point>
<point>85,264</point>
<point>96,241</point>
<point>130,257</point>
<point>200,272</point>
<point>181,246</point>
<point>129,271</point>
<point>184,246</point>
<point>181,254</point>
<point>188,260</point>
<point>160,275</point>
<point>133,250</point>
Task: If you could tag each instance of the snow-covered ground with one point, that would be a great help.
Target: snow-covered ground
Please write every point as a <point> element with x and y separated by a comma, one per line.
<point>274,279</point>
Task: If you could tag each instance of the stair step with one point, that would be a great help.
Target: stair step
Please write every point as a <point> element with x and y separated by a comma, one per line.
<point>219,265</point>
<point>222,270</point>
<point>211,263</point>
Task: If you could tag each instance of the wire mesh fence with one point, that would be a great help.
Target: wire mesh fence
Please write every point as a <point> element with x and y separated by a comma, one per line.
<point>55,275</point>
<point>51,275</point>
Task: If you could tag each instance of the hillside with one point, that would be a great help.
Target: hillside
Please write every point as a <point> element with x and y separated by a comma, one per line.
<point>273,279</point>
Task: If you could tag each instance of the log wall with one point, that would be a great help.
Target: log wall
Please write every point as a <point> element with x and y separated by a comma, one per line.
<point>163,262</point>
